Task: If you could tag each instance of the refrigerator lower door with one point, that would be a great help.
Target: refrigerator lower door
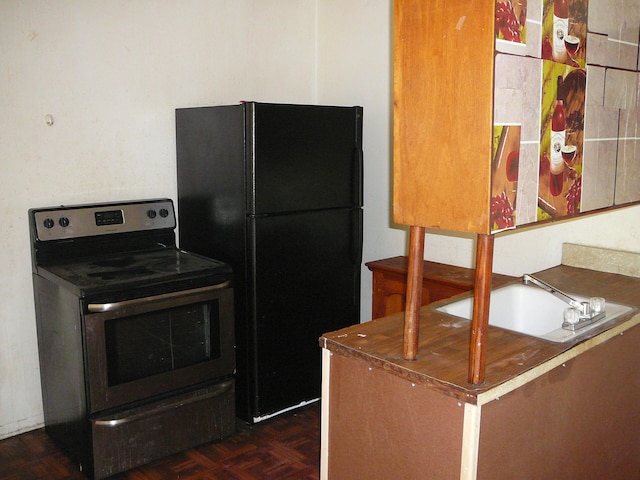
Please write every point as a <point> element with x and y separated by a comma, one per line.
<point>306,282</point>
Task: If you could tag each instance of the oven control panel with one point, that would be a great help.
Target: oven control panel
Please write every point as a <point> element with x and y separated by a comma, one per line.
<point>58,223</point>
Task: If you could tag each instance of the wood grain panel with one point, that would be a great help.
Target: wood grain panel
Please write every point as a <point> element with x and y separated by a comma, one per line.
<point>443,107</point>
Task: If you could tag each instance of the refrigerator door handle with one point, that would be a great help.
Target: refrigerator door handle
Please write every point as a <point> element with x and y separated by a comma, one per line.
<point>357,233</point>
<point>357,158</point>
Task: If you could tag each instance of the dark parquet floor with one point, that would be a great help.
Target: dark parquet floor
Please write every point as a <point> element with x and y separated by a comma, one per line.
<point>286,447</point>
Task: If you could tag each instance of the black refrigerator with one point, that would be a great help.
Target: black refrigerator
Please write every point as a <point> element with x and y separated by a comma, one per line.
<point>275,190</point>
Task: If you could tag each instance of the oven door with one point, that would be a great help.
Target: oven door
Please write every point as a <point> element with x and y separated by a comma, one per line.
<point>147,347</point>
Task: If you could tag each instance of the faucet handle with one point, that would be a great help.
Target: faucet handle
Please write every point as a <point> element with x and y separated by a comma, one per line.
<point>596,305</point>
<point>571,316</point>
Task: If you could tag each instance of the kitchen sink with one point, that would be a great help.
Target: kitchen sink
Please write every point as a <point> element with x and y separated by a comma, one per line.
<point>529,310</point>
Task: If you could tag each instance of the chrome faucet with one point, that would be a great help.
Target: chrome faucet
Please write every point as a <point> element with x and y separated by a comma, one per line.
<point>580,314</point>
<point>526,278</point>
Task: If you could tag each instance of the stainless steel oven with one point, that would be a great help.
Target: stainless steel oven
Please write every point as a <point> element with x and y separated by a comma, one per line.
<point>136,337</point>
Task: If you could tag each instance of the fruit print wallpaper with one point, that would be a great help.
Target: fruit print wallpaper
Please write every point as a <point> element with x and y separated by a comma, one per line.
<point>564,31</point>
<point>561,140</point>
<point>540,97</point>
<point>504,176</point>
<point>511,17</point>
<point>563,107</point>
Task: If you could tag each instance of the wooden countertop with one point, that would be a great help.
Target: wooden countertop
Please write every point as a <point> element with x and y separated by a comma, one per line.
<point>443,353</point>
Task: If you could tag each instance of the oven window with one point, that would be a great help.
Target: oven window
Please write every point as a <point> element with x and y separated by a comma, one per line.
<point>143,345</point>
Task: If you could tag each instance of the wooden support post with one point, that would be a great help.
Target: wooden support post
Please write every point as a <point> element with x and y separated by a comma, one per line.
<point>414,293</point>
<point>481,297</point>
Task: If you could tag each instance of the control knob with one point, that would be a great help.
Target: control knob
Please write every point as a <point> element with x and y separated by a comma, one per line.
<point>48,223</point>
<point>63,221</point>
<point>151,213</point>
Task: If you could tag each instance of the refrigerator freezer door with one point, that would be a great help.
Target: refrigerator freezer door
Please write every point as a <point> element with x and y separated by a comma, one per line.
<point>306,282</point>
<point>303,157</point>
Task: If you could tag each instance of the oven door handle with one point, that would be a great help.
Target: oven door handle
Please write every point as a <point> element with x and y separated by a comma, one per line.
<point>116,422</point>
<point>111,307</point>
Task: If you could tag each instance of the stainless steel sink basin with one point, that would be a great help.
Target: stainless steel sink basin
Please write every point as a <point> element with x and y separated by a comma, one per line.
<point>531,311</point>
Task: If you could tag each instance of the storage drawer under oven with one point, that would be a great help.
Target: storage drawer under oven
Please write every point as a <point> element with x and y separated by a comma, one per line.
<point>145,347</point>
<point>140,435</point>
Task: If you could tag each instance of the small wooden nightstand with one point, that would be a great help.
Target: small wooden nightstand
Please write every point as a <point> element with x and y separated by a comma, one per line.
<point>438,281</point>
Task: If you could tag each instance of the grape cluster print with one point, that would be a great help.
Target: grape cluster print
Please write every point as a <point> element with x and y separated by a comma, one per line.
<point>507,23</point>
<point>502,214</point>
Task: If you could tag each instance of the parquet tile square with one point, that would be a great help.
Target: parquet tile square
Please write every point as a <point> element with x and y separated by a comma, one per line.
<point>286,447</point>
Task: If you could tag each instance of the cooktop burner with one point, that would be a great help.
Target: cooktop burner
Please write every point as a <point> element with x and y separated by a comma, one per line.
<point>139,269</point>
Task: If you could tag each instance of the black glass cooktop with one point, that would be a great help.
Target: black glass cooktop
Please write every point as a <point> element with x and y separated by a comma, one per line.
<point>137,269</point>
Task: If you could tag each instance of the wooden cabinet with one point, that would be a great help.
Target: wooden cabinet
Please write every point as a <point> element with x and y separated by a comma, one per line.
<point>439,281</point>
<point>443,114</point>
<point>467,103</point>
